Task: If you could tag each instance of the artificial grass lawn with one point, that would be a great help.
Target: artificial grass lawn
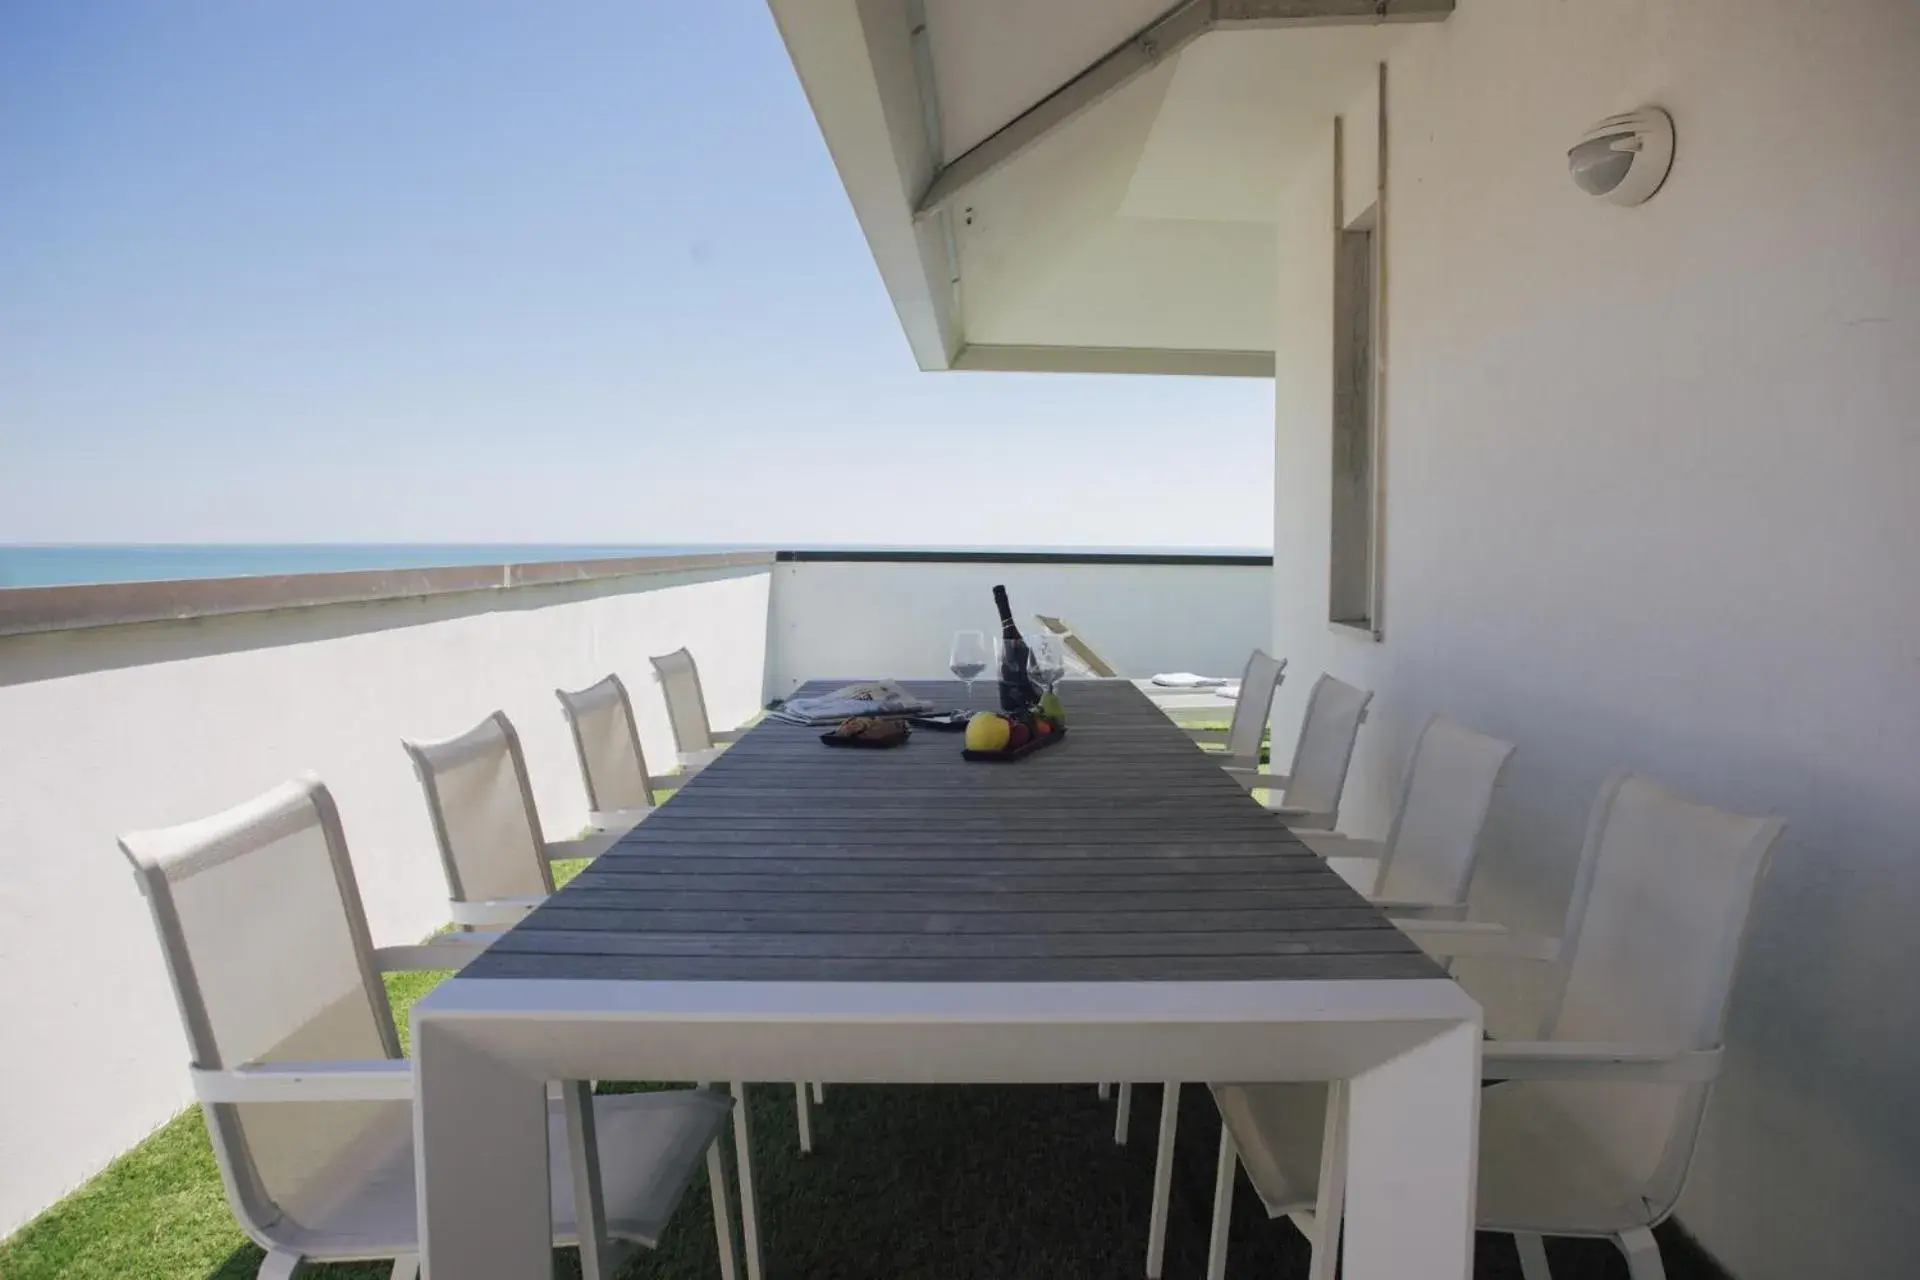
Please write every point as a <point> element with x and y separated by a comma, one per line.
<point>949,1183</point>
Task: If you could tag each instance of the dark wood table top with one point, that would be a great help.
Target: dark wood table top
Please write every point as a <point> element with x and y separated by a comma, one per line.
<point>1121,854</point>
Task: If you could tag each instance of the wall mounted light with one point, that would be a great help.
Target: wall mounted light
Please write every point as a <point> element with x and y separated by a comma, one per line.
<point>1624,158</point>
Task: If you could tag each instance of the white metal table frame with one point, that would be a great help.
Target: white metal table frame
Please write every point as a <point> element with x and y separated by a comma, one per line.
<point>485,1048</point>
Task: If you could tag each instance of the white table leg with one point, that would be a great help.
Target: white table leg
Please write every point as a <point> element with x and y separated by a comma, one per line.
<point>743,1161</point>
<point>1162,1178</point>
<point>806,1121</point>
<point>1123,1115</point>
<point>480,1137</point>
<point>1413,1129</point>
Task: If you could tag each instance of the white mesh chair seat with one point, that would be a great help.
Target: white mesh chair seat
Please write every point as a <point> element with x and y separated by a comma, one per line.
<point>1427,860</point>
<point>1596,1133</point>
<point>266,943</point>
<point>651,1145</point>
<point>607,742</point>
<point>1536,1166</point>
<point>1312,791</point>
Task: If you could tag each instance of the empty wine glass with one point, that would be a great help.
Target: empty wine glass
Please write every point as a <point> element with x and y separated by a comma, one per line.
<point>1048,662</point>
<point>968,659</point>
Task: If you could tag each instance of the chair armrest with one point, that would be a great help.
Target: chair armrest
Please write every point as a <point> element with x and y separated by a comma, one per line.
<point>724,736</point>
<point>1477,938</point>
<point>494,910</point>
<point>1249,775</point>
<point>373,1080</point>
<point>585,847</point>
<point>1333,844</point>
<point>1576,1060</point>
<point>618,820</point>
<point>1420,911</point>
<point>448,951</point>
<point>1301,819</point>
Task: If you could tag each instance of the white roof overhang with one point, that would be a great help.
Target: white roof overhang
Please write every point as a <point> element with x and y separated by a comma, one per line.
<point>1081,185</point>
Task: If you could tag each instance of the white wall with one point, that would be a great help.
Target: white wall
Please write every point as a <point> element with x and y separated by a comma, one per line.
<point>1653,498</point>
<point>890,619</point>
<point>125,727</point>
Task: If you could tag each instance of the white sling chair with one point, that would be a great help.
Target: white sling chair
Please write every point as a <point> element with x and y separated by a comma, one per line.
<point>1425,864</point>
<point>1251,710</point>
<point>1421,871</point>
<point>1594,1129</point>
<point>497,862</point>
<point>279,989</point>
<point>1241,740</point>
<point>607,741</point>
<point>694,736</point>
<point>1335,712</point>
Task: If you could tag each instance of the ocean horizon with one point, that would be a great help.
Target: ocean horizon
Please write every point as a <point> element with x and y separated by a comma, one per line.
<point>81,564</point>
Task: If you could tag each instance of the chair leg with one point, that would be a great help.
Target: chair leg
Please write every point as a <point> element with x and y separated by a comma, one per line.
<point>743,1165</point>
<point>1162,1178</point>
<point>405,1267</point>
<point>722,1209</point>
<point>819,1094</point>
<point>806,1121</point>
<point>1122,1114</point>
<point>1223,1171</point>
<point>279,1266</point>
<point>1533,1256</point>
<point>1104,1089</point>
<point>1643,1254</point>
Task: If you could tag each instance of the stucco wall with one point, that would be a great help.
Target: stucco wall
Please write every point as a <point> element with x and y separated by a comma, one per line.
<point>1653,498</point>
<point>107,730</point>
<point>899,619</point>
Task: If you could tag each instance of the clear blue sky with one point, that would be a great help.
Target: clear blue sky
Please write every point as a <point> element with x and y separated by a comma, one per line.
<point>572,271</point>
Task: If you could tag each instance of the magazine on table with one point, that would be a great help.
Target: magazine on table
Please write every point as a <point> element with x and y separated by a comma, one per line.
<point>871,698</point>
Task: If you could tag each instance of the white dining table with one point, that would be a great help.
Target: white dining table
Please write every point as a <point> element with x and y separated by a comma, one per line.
<point>1114,907</point>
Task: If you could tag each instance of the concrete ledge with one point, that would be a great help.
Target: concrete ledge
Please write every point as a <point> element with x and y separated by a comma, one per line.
<point>28,610</point>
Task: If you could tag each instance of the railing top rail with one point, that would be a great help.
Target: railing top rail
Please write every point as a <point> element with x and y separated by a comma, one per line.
<point>26,610</point>
<point>992,556</point>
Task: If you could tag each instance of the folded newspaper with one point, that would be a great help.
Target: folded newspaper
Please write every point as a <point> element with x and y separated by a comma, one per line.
<point>874,698</point>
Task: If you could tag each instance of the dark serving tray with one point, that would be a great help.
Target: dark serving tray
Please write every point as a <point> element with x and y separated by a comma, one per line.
<point>1018,753</point>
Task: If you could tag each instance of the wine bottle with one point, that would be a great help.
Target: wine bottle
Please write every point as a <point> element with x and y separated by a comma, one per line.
<point>1017,692</point>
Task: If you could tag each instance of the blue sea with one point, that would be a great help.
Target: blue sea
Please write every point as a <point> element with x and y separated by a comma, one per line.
<point>49,566</point>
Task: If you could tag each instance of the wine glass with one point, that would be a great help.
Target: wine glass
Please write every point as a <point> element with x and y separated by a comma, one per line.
<point>1048,661</point>
<point>968,659</point>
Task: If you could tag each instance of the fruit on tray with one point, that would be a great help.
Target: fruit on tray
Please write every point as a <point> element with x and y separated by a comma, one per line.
<point>1019,734</point>
<point>1050,709</point>
<point>988,732</point>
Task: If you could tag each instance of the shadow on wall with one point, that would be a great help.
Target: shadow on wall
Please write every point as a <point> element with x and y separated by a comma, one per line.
<point>52,655</point>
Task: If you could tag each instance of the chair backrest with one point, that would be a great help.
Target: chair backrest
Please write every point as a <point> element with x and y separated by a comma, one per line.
<point>1254,706</point>
<point>1079,653</point>
<point>607,741</point>
<point>686,703</point>
<point>483,815</point>
<point>1325,749</point>
<point>266,943</point>
<point>1435,838</point>
<point>1655,926</point>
